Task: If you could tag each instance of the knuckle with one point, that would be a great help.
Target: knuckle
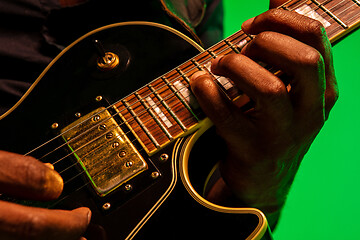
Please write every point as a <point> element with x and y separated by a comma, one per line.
<point>316,28</point>
<point>274,90</point>
<point>312,58</point>
<point>226,62</point>
<point>263,37</point>
<point>274,14</point>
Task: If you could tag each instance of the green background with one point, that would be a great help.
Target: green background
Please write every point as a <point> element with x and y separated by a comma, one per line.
<point>324,200</point>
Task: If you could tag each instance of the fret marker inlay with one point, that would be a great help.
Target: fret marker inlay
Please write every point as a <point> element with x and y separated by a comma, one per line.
<point>306,10</point>
<point>158,111</point>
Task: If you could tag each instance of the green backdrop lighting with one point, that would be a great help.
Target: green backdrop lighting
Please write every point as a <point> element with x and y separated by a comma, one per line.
<point>324,200</point>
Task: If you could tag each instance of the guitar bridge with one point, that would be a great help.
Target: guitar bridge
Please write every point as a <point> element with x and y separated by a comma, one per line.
<point>103,151</point>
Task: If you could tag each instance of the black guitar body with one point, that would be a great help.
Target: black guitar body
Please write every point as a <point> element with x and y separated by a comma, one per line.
<point>146,206</point>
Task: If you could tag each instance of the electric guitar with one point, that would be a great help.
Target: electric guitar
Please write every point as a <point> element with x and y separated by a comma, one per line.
<point>117,120</point>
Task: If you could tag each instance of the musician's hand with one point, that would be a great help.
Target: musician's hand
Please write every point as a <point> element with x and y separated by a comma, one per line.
<point>25,177</point>
<point>267,143</point>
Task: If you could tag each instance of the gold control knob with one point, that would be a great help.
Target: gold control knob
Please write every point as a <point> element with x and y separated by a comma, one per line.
<point>108,62</point>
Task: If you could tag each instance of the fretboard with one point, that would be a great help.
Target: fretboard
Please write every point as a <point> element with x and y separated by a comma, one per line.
<point>165,109</point>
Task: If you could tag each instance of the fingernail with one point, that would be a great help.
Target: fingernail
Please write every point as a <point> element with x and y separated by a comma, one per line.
<point>89,214</point>
<point>49,165</point>
<point>197,75</point>
<point>215,62</point>
<point>247,24</point>
<point>83,212</point>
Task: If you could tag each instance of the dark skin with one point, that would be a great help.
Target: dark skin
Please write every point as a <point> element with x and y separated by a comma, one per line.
<point>265,144</point>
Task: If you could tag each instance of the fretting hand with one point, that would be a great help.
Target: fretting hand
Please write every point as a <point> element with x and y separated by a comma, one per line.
<point>267,143</point>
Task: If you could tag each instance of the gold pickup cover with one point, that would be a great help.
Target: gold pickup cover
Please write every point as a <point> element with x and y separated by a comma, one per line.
<point>103,151</point>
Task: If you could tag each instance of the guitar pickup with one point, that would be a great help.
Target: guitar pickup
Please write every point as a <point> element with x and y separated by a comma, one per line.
<point>103,151</point>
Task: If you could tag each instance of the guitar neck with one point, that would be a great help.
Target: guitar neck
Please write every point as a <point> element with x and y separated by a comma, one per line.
<point>166,109</point>
<point>339,17</point>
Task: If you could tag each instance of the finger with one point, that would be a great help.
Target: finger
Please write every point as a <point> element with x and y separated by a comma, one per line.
<point>21,222</point>
<point>213,102</point>
<point>295,59</point>
<point>266,90</point>
<point>300,27</point>
<point>276,3</point>
<point>26,177</point>
<point>304,29</point>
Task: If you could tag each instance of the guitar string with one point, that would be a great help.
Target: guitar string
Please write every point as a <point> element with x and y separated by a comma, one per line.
<point>144,111</point>
<point>324,14</point>
<point>115,126</point>
<point>86,183</point>
<point>58,136</point>
<point>79,174</point>
<point>107,108</point>
<point>341,2</point>
<point>151,93</point>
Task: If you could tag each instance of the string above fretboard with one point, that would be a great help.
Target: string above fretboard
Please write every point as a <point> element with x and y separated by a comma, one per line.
<point>166,108</point>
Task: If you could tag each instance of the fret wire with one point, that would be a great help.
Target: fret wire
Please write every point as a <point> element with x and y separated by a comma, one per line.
<point>330,14</point>
<point>74,126</point>
<point>179,97</point>
<point>54,138</point>
<point>299,3</point>
<point>212,54</point>
<point>197,65</point>
<point>105,133</point>
<point>202,68</point>
<point>322,15</point>
<point>110,106</point>
<point>312,9</point>
<point>358,15</point>
<point>153,115</point>
<point>144,128</point>
<point>183,75</point>
<point>339,4</point>
<point>346,9</point>
<point>134,103</point>
<point>163,102</point>
<point>118,102</point>
<point>337,27</point>
<point>231,46</point>
<point>128,105</point>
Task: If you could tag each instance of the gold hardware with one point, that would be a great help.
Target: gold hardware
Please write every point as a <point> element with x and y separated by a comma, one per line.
<point>122,154</point>
<point>164,157</point>
<point>54,125</point>
<point>108,62</point>
<point>77,115</point>
<point>128,187</point>
<point>98,98</point>
<point>155,175</point>
<point>106,167</point>
<point>128,164</point>
<point>102,127</point>
<point>96,118</point>
<point>106,206</point>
